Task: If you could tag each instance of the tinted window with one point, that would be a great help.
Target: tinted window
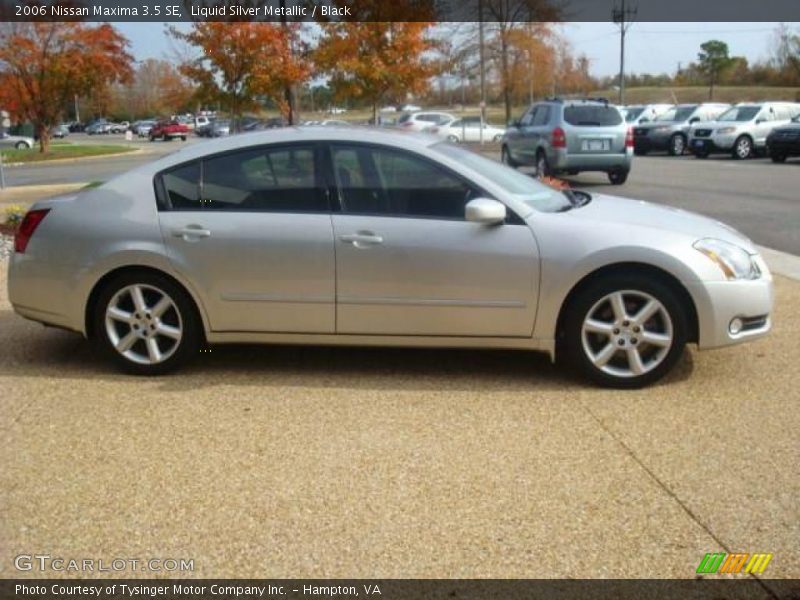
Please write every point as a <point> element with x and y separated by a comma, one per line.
<point>385,181</point>
<point>592,115</point>
<point>542,116</point>
<point>739,113</point>
<point>182,186</point>
<point>633,114</point>
<point>263,179</point>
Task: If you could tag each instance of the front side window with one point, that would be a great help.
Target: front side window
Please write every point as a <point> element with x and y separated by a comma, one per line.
<point>677,114</point>
<point>739,114</point>
<point>384,181</point>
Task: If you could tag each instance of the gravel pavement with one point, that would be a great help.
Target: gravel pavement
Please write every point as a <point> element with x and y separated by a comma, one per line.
<point>337,462</point>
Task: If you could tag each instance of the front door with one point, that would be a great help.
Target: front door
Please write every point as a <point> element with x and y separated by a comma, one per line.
<point>251,230</point>
<point>407,263</point>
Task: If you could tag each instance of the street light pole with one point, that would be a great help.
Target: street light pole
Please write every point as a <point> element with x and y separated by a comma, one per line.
<point>622,16</point>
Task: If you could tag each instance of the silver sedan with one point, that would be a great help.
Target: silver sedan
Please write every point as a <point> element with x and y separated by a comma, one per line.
<point>368,237</point>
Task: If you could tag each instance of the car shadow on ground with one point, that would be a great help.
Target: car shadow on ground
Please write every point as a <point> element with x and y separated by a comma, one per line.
<point>35,351</point>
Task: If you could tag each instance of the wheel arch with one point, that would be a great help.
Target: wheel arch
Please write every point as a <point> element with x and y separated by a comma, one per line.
<point>635,268</point>
<point>94,294</point>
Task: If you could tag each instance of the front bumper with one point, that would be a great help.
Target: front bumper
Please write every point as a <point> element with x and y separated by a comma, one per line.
<point>715,144</point>
<point>718,303</point>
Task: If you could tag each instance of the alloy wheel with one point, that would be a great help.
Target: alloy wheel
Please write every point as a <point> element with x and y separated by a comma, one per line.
<point>743,147</point>
<point>627,333</point>
<point>143,324</point>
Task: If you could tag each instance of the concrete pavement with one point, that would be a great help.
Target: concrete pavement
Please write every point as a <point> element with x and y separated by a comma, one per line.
<point>347,462</point>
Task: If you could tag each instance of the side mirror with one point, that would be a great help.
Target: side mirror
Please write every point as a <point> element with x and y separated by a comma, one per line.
<point>486,211</point>
<point>644,120</point>
<point>760,121</point>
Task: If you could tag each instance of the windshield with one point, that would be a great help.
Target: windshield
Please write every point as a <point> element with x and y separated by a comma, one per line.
<point>677,114</point>
<point>633,114</point>
<point>739,113</point>
<point>524,188</point>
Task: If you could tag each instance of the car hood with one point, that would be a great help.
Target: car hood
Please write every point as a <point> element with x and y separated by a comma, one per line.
<point>625,212</point>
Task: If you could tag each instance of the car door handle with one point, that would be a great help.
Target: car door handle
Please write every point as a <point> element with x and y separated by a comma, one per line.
<point>191,232</point>
<point>361,239</point>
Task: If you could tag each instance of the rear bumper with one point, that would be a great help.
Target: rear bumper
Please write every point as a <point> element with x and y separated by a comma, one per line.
<point>787,148</point>
<point>562,160</point>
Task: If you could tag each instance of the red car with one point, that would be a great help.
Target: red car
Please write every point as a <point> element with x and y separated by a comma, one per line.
<point>168,130</point>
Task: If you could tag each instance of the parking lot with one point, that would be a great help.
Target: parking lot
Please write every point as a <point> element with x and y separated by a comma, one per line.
<point>335,462</point>
<point>345,462</point>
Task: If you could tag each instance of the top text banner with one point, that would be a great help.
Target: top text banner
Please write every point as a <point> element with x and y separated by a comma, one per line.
<point>400,10</point>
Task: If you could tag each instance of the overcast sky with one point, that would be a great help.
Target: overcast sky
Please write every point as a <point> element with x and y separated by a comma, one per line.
<point>650,47</point>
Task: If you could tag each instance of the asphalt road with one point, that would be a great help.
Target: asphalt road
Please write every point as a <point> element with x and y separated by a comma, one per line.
<point>756,196</point>
<point>346,462</point>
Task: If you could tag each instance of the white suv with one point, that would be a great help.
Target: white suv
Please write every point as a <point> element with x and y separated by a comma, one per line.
<point>419,121</point>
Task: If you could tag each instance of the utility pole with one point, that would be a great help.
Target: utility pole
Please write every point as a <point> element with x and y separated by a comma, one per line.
<point>483,68</point>
<point>622,16</point>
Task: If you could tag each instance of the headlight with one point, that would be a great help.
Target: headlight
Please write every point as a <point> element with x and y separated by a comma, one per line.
<point>735,262</point>
<point>725,130</point>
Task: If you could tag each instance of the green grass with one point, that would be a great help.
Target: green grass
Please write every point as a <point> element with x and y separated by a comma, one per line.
<point>61,151</point>
<point>92,184</point>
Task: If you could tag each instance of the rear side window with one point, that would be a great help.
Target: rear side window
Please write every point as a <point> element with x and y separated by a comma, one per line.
<point>263,180</point>
<point>182,187</point>
<point>592,116</point>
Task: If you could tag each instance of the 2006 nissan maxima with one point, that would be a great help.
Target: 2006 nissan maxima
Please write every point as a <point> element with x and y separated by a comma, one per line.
<point>348,236</point>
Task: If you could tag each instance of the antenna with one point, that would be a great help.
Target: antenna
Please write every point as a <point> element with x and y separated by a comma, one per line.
<point>623,15</point>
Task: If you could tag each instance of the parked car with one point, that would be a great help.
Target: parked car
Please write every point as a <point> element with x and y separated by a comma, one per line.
<point>783,142</point>
<point>168,130</point>
<point>742,130</point>
<point>643,113</point>
<point>419,121</point>
<point>467,130</point>
<point>76,126</point>
<point>328,123</point>
<point>59,131</point>
<point>201,121</point>
<point>99,127</point>
<point>204,130</point>
<point>410,108</point>
<point>150,268</point>
<point>119,127</point>
<point>335,110</point>
<point>142,128</point>
<point>571,136</point>
<point>670,130</point>
<point>19,142</point>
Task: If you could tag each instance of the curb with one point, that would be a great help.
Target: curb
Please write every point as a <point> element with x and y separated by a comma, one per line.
<point>781,263</point>
<point>72,160</point>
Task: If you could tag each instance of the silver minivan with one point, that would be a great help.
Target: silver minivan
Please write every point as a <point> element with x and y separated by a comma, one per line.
<point>742,130</point>
<point>570,136</point>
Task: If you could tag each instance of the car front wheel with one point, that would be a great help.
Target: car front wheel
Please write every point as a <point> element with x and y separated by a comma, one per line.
<point>624,331</point>
<point>21,146</point>
<point>618,177</point>
<point>505,157</point>
<point>677,144</point>
<point>743,148</point>
<point>146,324</point>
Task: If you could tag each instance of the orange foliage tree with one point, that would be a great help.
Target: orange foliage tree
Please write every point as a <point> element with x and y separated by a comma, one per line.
<point>47,64</point>
<point>375,60</point>
<point>240,62</point>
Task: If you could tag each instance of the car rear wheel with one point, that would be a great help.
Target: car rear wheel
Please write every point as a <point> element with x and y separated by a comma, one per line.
<point>498,138</point>
<point>542,168</point>
<point>146,324</point>
<point>677,144</point>
<point>777,157</point>
<point>21,146</point>
<point>505,157</point>
<point>624,331</point>
<point>743,148</point>
<point>618,177</point>
<point>452,139</point>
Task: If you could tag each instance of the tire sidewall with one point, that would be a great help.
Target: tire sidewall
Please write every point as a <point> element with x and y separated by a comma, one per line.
<point>672,142</point>
<point>736,144</point>
<point>571,343</point>
<point>191,339</point>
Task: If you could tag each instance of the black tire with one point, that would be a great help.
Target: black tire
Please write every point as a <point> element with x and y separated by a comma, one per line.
<point>452,139</point>
<point>505,158</point>
<point>542,166</point>
<point>571,342</point>
<point>21,146</point>
<point>742,147</point>
<point>183,138</point>
<point>183,313</point>
<point>777,157</point>
<point>618,177</point>
<point>166,138</point>
<point>677,145</point>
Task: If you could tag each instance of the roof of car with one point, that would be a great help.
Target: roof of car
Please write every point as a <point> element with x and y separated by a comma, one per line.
<point>301,134</point>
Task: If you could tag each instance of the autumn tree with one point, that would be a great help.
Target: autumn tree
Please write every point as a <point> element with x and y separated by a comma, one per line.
<point>373,61</point>
<point>47,64</point>
<point>240,62</point>
<point>157,88</point>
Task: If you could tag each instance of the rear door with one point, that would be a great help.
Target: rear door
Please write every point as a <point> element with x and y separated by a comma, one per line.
<point>594,129</point>
<point>251,231</point>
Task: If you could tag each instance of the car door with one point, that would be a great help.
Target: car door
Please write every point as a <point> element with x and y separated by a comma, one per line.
<point>408,263</point>
<point>515,136</point>
<point>251,231</point>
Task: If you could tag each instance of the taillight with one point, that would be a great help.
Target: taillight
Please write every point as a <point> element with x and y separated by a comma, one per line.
<point>559,139</point>
<point>27,227</point>
<point>629,138</point>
